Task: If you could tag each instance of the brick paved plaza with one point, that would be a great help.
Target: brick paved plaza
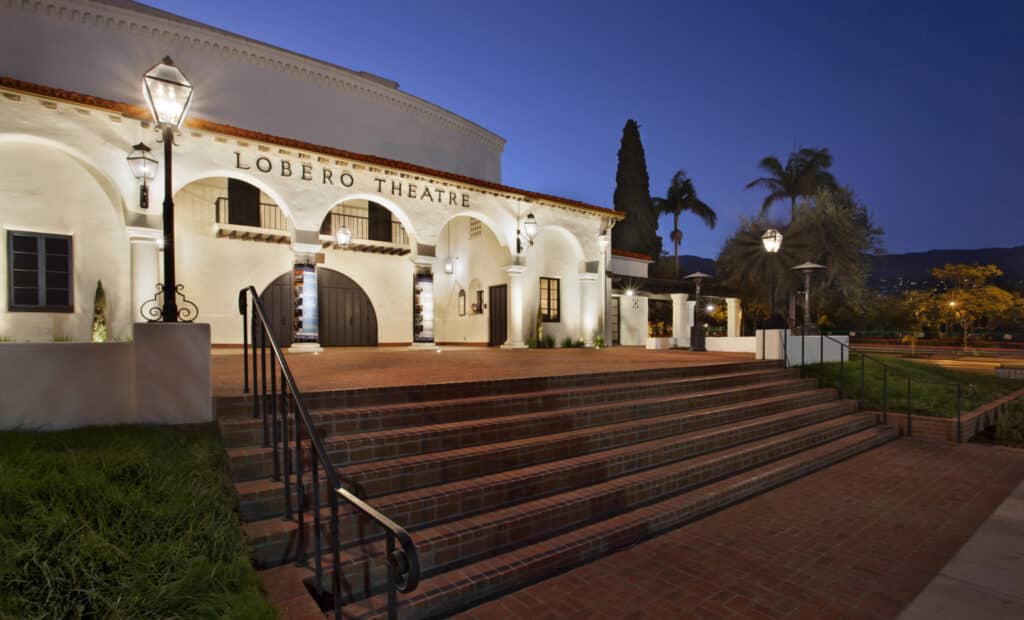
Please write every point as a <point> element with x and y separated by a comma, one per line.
<point>857,540</point>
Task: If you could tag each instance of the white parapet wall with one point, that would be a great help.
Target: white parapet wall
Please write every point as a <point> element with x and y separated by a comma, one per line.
<point>161,377</point>
<point>800,350</point>
<point>731,344</point>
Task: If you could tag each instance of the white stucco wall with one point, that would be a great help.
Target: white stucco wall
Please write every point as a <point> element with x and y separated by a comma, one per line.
<point>476,265</point>
<point>633,320</point>
<point>554,254</point>
<point>102,49</point>
<point>45,190</point>
<point>629,266</point>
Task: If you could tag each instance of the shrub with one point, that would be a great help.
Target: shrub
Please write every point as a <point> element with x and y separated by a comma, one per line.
<point>1010,427</point>
<point>598,341</point>
<point>567,343</point>
<point>532,343</point>
<point>549,342</point>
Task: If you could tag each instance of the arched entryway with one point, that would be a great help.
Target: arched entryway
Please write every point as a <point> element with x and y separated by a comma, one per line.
<point>346,318</point>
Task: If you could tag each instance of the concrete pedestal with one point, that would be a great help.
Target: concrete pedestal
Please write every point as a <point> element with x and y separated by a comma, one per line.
<point>172,373</point>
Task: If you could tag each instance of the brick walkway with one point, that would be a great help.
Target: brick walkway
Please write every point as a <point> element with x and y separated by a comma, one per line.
<point>337,368</point>
<point>858,540</point>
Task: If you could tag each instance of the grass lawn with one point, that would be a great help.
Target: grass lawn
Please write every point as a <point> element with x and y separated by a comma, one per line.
<point>121,523</point>
<point>934,398</point>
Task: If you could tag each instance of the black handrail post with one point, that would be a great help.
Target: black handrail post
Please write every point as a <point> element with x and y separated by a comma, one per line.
<point>861,402</point>
<point>821,359</point>
<point>958,396</point>
<point>286,453</point>
<point>335,554</point>
<point>910,408</point>
<point>255,373</point>
<point>317,537</point>
<point>300,493</point>
<point>274,429</point>
<point>244,303</point>
<point>392,578</point>
<point>885,394</point>
<point>803,348</point>
<point>263,385</point>
<point>842,373</point>
<point>785,346</point>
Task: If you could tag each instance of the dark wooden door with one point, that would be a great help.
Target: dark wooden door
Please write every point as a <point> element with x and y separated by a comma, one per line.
<point>277,302</point>
<point>613,318</point>
<point>347,318</point>
<point>498,315</point>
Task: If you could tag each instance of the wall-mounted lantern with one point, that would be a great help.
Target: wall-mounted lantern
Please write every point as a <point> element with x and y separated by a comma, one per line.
<point>143,167</point>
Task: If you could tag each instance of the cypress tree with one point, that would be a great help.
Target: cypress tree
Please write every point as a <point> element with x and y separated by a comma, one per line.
<point>639,231</point>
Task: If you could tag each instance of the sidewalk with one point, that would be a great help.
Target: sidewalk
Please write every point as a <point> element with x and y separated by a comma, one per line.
<point>985,579</point>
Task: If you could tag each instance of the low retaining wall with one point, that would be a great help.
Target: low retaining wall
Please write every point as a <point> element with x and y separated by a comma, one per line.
<point>731,344</point>
<point>161,377</point>
<point>944,429</point>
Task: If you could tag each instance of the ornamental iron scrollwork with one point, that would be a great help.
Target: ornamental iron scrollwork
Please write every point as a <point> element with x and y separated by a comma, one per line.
<point>153,309</point>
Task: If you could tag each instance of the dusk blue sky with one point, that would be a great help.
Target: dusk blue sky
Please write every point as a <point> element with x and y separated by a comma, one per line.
<point>921,103</point>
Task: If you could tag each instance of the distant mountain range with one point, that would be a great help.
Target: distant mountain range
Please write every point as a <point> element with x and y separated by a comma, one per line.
<point>896,272</point>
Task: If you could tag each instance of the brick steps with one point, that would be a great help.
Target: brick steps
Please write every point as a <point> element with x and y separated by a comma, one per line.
<point>239,407</point>
<point>536,501</point>
<point>503,483</point>
<point>449,591</point>
<point>241,432</point>
<point>256,461</point>
<point>258,497</point>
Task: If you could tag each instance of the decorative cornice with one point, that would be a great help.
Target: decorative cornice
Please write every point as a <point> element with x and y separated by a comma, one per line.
<point>152,23</point>
<point>142,114</point>
<point>629,254</point>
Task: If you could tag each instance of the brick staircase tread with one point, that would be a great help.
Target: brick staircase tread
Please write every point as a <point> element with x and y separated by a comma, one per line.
<point>562,551</point>
<point>621,376</point>
<point>247,451</point>
<point>230,422</point>
<point>263,529</point>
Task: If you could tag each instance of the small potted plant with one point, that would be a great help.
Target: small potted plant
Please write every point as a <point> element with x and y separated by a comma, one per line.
<point>659,335</point>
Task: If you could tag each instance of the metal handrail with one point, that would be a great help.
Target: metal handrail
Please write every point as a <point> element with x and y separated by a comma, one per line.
<point>271,215</point>
<point>886,369</point>
<point>402,562</point>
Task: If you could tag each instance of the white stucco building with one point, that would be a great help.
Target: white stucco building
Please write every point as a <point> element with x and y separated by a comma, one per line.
<point>279,152</point>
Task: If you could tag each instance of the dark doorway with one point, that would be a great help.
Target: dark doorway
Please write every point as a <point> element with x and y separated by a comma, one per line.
<point>347,318</point>
<point>498,317</point>
<point>277,303</point>
<point>613,318</point>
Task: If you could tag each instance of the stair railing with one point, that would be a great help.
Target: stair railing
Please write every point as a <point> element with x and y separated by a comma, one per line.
<point>285,437</point>
<point>846,351</point>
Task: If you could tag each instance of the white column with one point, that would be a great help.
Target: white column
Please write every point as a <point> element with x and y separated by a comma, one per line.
<point>516,312</point>
<point>680,320</point>
<point>145,243</point>
<point>733,316</point>
<point>605,286</point>
<point>590,303</point>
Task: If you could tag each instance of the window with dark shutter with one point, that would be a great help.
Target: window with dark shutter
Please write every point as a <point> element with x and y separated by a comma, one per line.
<point>379,223</point>
<point>550,300</point>
<point>39,272</point>
<point>243,203</point>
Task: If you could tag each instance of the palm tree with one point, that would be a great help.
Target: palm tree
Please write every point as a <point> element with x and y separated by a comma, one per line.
<point>682,196</point>
<point>804,173</point>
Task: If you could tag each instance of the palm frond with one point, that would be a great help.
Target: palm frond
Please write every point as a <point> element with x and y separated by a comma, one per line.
<point>703,211</point>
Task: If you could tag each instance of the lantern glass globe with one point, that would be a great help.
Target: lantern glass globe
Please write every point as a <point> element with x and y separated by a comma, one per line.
<point>168,93</point>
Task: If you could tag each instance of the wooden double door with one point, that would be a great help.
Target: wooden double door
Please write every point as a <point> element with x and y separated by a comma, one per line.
<point>345,316</point>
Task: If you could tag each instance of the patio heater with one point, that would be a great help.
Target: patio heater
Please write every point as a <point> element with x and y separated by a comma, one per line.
<point>697,329</point>
<point>807,269</point>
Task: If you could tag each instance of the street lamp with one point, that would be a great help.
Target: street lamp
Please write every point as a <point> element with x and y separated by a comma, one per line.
<point>772,240</point>
<point>807,269</point>
<point>697,329</point>
<point>143,167</point>
<point>169,95</point>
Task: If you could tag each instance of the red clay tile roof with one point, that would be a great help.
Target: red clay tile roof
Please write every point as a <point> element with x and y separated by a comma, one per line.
<point>142,113</point>
<point>628,254</point>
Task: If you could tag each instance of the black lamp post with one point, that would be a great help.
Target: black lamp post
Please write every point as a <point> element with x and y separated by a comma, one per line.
<point>169,94</point>
<point>697,329</point>
<point>772,240</point>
